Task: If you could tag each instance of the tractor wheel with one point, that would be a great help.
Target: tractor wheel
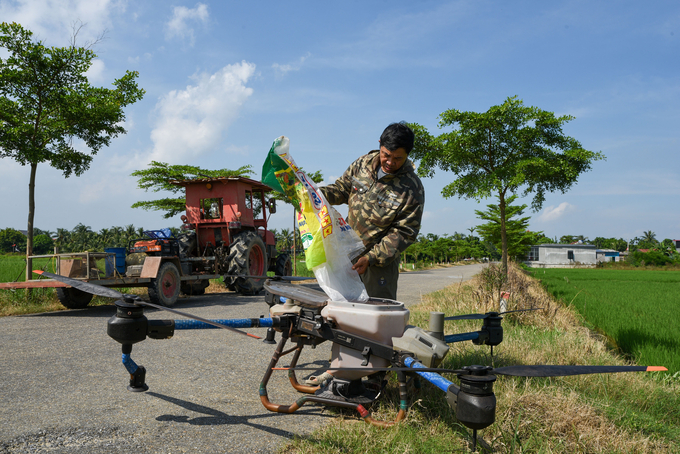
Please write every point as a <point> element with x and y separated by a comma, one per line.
<point>248,257</point>
<point>73,298</point>
<point>284,266</point>
<point>164,290</point>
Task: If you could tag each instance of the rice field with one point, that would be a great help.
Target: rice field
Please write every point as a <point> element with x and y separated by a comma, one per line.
<point>636,309</point>
<point>13,267</point>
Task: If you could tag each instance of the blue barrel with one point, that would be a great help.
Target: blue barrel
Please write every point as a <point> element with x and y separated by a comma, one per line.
<point>119,260</point>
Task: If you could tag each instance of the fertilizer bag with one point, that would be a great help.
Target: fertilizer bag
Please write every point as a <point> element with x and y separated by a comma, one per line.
<point>330,243</point>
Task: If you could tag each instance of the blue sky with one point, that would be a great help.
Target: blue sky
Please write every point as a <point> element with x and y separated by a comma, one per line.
<point>224,79</point>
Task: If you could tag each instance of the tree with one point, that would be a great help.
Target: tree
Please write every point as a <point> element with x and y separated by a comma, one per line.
<point>157,178</point>
<point>46,102</point>
<point>509,149</point>
<point>572,239</point>
<point>649,237</point>
<point>518,238</point>
<point>43,244</point>
<point>10,237</point>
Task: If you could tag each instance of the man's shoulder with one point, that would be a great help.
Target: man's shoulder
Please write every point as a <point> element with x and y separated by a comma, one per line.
<point>364,162</point>
<point>410,178</point>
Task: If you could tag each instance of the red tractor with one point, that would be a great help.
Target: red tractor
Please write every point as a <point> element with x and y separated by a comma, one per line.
<point>225,235</point>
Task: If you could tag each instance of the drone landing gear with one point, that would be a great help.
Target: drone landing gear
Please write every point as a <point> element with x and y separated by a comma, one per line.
<point>321,397</point>
<point>352,391</point>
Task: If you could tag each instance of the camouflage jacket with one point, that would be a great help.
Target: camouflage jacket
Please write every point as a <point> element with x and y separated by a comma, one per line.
<point>385,213</point>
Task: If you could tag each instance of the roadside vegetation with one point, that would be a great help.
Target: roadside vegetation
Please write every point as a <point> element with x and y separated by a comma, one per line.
<point>622,413</point>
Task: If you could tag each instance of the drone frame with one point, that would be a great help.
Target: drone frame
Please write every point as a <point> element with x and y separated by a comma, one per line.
<point>474,401</point>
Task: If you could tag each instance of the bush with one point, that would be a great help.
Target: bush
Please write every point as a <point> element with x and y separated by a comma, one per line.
<point>9,237</point>
<point>42,244</point>
<point>654,258</point>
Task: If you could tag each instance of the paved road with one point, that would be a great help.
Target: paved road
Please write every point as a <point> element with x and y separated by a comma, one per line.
<point>63,386</point>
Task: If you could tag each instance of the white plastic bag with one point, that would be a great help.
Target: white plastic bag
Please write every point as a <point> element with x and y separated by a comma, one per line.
<point>330,243</point>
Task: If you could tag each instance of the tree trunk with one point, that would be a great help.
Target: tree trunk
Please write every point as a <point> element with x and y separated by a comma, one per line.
<point>29,232</point>
<point>504,235</point>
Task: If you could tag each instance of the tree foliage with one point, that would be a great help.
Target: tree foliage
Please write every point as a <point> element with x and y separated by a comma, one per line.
<point>157,178</point>
<point>519,238</point>
<point>446,248</point>
<point>510,149</point>
<point>9,238</point>
<point>48,108</point>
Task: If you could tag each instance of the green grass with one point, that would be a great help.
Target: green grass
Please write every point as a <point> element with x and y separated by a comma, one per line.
<point>636,309</point>
<point>13,267</point>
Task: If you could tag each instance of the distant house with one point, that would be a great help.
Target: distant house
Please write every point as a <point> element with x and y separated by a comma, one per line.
<point>676,243</point>
<point>608,255</point>
<point>562,255</point>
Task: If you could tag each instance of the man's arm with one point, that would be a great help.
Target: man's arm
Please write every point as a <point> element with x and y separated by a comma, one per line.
<point>403,232</point>
<point>338,193</point>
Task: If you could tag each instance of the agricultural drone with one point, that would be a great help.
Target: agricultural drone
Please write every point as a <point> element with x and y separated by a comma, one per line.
<point>369,339</point>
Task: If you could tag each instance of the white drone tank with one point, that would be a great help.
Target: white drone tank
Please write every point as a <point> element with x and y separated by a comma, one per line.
<point>376,319</point>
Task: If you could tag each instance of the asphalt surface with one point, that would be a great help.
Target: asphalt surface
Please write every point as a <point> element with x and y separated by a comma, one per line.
<point>63,385</point>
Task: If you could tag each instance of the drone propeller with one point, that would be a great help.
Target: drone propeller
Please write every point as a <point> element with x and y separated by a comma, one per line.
<point>515,371</point>
<point>98,290</point>
<point>378,369</point>
<point>275,278</point>
<point>563,371</point>
<point>488,314</point>
<point>86,287</point>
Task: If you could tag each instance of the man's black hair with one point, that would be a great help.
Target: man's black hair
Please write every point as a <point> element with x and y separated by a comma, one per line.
<point>397,135</point>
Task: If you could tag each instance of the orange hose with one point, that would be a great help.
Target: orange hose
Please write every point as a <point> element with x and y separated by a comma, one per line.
<point>385,424</point>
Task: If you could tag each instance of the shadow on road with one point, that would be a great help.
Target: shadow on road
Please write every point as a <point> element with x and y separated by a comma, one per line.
<point>216,418</point>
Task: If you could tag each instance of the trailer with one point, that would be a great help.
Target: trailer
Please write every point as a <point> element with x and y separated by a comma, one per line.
<point>165,285</point>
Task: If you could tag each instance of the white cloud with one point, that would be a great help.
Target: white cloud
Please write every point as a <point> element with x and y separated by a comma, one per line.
<point>96,72</point>
<point>182,16</point>
<point>553,213</point>
<point>191,122</point>
<point>284,69</point>
<point>52,21</point>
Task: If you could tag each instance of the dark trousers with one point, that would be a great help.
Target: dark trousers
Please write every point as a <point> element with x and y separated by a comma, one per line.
<point>381,281</point>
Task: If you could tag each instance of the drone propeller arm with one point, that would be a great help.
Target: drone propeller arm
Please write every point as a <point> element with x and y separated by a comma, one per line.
<point>434,378</point>
<point>233,323</point>
<point>452,338</point>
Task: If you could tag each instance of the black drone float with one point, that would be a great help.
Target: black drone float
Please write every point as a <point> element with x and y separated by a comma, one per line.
<point>368,339</point>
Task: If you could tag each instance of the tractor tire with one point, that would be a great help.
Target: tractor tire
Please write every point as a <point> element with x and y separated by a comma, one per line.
<point>247,257</point>
<point>164,290</point>
<point>284,266</point>
<point>194,287</point>
<point>73,298</point>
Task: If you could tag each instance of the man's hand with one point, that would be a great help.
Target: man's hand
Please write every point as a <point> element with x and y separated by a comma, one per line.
<point>361,265</point>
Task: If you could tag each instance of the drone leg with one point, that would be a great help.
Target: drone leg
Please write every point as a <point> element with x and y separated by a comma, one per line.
<point>137,373</point>
<point>271,336</point>
<point>403,406</point>
<point>264,396</point>
<point>291,373</point>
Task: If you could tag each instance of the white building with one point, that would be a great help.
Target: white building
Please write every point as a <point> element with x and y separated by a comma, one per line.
<point>562,255</point>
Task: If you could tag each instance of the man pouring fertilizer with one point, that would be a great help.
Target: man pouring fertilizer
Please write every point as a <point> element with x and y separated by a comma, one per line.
<point>385,199</point>
<point>358,258</point>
